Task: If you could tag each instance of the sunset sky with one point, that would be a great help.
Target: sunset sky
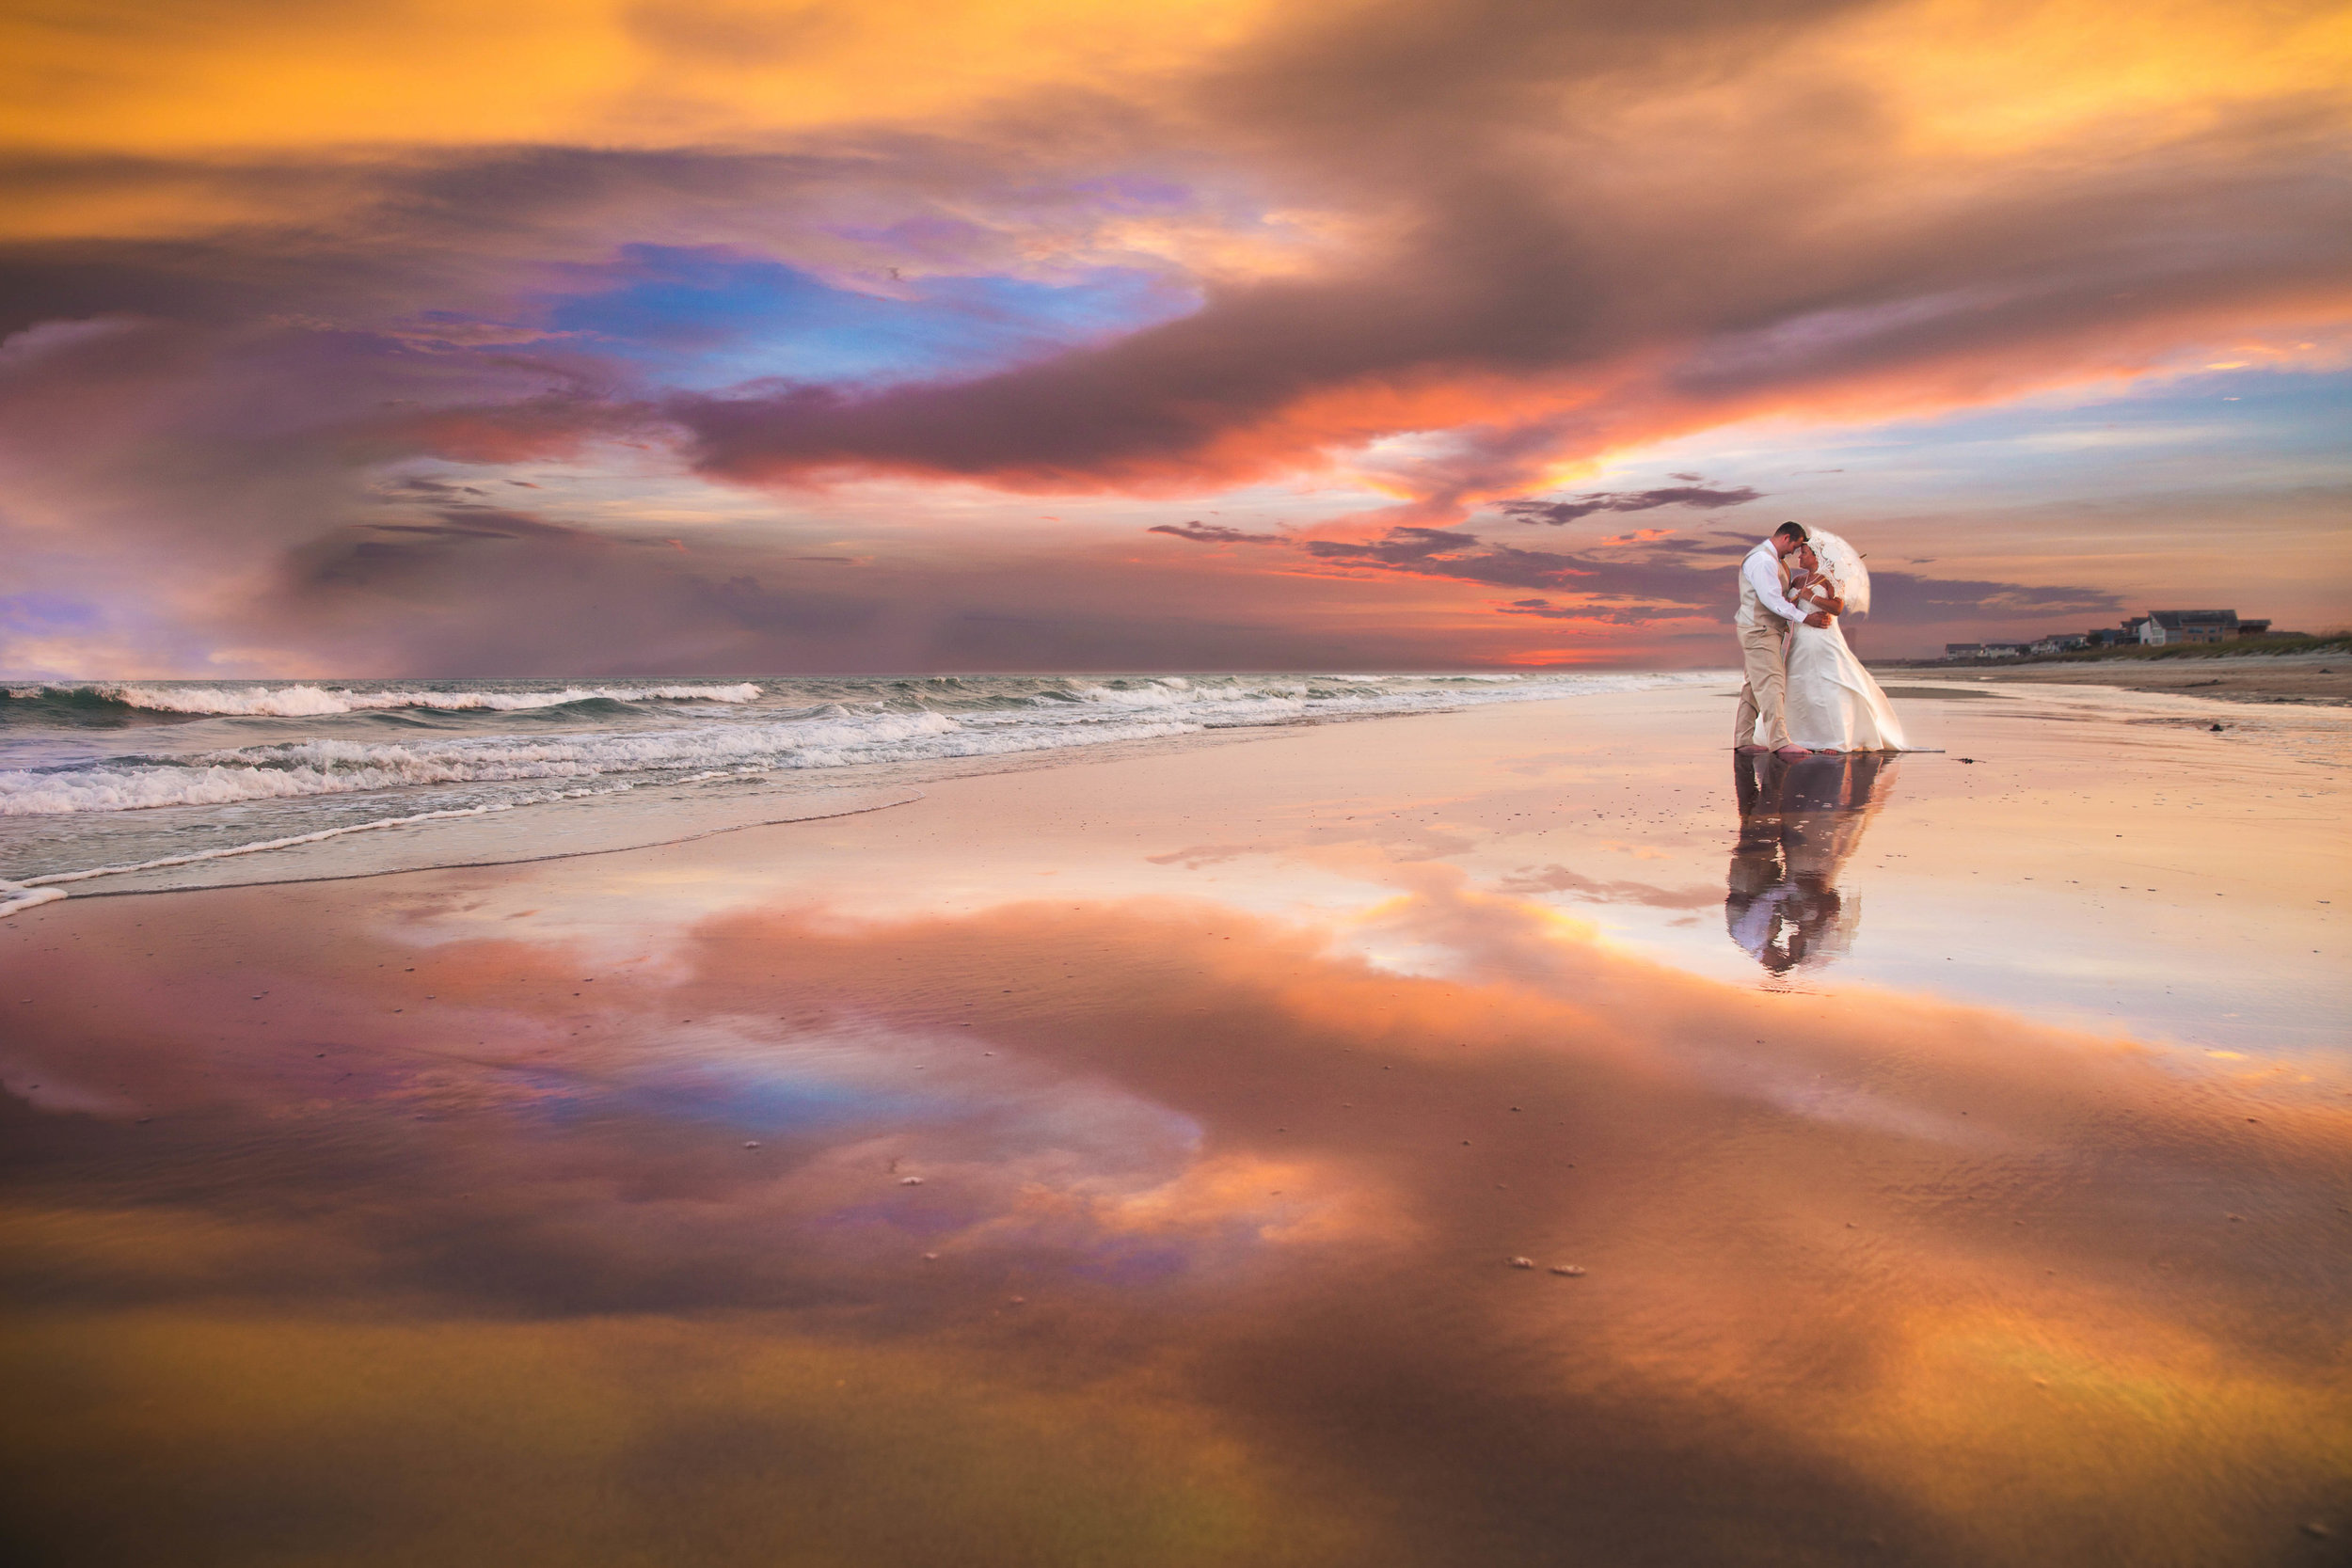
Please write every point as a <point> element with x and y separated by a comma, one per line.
<point>599,337</point>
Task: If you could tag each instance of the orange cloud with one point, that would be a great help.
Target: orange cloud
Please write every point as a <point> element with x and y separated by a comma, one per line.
<point>176,77</point>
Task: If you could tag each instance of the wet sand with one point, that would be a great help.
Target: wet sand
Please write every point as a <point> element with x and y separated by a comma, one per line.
<point>1126,1163</point>
<point>2324,679</point>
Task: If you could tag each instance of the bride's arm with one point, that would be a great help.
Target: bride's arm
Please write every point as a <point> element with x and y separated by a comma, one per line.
<point>1822,594</point>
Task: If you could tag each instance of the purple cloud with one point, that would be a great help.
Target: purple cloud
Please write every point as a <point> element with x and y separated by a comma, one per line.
<point>1528,510</point>
<point>1212,533</point>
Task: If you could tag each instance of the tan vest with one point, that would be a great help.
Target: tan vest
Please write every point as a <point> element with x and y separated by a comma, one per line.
<point>1750,612</point>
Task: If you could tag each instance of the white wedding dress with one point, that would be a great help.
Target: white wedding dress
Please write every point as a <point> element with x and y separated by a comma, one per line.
<point>1832,704</point>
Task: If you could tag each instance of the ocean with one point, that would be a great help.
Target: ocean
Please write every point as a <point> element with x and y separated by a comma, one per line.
<point>141,785</point>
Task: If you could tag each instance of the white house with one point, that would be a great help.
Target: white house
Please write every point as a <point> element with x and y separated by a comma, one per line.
<point>2165,627</point>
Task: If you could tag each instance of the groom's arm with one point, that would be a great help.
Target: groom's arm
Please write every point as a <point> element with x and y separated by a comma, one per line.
<point>1763,575</point>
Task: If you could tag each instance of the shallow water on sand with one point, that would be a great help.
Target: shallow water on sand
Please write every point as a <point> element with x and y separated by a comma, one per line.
<point>185,784</point>
<point>1916,1160</point>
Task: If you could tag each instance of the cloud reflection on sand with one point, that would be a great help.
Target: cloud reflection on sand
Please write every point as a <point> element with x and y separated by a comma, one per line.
<point>501,1260</point>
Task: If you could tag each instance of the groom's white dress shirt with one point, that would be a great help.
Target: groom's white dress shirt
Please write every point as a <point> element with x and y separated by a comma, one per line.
<point>1759,587</point>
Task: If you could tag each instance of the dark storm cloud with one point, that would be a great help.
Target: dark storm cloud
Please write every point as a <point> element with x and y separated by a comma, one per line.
<point>1212,533</point>
<point>1529,510</point>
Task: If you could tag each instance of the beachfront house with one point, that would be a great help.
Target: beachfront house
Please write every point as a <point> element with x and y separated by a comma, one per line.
<point>2165,628</point>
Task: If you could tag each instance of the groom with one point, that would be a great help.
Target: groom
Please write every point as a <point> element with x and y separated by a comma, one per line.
<point>1765,616</point>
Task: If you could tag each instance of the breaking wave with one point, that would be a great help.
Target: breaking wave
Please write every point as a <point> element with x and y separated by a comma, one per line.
<point>314,701</point>
<point>785,725</point>
<point>98,779</point>
<point>334,766</point>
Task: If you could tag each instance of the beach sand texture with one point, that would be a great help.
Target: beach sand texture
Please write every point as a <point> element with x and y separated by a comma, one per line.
<point>2318,679</point>
<point>1515,1135</point>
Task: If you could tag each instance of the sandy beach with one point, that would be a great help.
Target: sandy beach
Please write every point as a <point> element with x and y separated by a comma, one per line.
<point>2316,678</point>
<point>1523,1135</point>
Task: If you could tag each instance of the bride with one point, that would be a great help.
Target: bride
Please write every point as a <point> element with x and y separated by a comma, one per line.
<point>1832,704</point>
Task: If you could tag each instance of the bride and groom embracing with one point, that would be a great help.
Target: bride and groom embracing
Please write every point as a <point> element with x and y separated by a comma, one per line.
<point>1805,690</point>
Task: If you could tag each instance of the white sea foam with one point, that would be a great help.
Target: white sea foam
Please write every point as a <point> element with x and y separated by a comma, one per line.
<point>827,734</point>
<point>339,766</point>
<point>15,896</point>
<point>39,888</point>
<point>313,701</point>
<point>1178,694</point>
<point>73,792</point>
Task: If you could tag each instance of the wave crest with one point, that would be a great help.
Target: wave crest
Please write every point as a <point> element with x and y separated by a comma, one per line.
<point>313,702</point>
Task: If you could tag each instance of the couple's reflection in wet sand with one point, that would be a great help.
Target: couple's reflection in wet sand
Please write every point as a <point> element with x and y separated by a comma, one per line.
<point>1801,820</point>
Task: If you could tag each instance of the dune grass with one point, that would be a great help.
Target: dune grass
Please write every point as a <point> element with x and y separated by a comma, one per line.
<point>2237,647</point>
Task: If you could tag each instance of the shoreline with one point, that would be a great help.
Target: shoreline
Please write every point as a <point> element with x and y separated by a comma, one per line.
<point>324,857</point>
<point>563,829</point>
<point>2314,680</point>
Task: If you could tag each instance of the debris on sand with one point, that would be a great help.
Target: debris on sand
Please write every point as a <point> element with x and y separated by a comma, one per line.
<point>1522,1262</point>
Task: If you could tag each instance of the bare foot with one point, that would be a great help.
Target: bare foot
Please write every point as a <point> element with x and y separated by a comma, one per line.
<point>1747,750</point>
<point>1793,751</point>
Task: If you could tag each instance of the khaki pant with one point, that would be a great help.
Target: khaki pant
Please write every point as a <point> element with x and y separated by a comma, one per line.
<point>1765,694</point>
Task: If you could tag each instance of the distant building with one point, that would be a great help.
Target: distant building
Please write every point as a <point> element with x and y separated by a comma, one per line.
<point>2165,628</point>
